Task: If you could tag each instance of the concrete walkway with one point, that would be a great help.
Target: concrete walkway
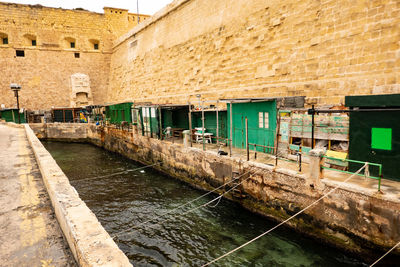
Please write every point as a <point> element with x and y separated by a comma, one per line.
<point>29,233</point>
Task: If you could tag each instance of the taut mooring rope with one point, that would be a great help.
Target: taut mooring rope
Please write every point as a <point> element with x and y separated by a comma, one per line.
<point>187,203</point>
<point>390,250</point>
<point>116,173</point>
<point>285,221</point>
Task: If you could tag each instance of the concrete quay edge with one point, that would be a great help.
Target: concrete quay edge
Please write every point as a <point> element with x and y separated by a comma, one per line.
<point>89,242</point>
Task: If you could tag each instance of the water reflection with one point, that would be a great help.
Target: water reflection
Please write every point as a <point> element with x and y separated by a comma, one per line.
<point>123,201</point>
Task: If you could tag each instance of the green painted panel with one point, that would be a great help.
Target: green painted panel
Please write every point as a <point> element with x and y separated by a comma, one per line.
<point>390,100</point>
<point>360,142</point>
<point>284,132</point>
<point>210,122</point>
<point>260,133</point>
<point>294,147</point>
<point>166,118</point>
<point>381,138</point>
<point>119,112</point>
<point>175,118</point>
<point>11,115</point>
<point>180,118</point>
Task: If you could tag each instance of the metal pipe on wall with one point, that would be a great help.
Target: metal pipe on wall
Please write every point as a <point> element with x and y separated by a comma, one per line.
<point>277,137</point>
<point>160,123</point>
<point>202,125</point>
<point>190,124</point>
<point>312,127</point>
<point>247,140</point>
<point>230,121</point>
<point>217,125</point>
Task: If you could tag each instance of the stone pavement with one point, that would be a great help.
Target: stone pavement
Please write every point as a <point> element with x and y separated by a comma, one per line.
<point>29,232</point>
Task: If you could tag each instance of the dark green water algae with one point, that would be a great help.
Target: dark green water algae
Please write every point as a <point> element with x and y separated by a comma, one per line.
<point>123,201</point>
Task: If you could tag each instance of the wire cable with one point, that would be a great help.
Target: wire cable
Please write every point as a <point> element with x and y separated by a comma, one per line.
<point>398,244</point>
<point>285,221</point>
<point>188,211</point>
<point>116,173</point>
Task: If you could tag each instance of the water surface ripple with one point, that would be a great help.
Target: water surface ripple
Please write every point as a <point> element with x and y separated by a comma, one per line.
<point>123,201</point>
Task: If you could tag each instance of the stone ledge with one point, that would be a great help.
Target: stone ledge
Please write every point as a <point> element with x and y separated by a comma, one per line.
<point>12,124</point>
<point>89,242</point>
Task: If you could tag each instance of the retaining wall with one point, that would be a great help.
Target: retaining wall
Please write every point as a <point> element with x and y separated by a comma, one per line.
<point>357,221</point>
<point>90,244</point>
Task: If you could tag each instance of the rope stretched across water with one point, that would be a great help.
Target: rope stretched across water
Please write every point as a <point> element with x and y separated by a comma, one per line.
<point>116,173</point>
<point>398,244</point>
<point>190,202</point>
<point>285,221</point>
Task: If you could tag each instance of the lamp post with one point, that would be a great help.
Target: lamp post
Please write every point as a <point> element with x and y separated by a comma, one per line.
<point>15,87</point>
<point>137,9</point>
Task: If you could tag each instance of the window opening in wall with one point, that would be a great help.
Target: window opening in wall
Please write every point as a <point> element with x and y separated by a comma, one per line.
<point>263,120</point>
<point>20,53</point>
<point>260,120</point>
<point>5,40</point>
<point>133,44</point>
<point>266,120</point>
<point>96,46</point>
<point>77,55</point>
<point>72,44</point>
<point>33,42</point>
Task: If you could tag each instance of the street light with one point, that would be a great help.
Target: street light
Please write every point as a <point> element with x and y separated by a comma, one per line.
<point>15,87</point>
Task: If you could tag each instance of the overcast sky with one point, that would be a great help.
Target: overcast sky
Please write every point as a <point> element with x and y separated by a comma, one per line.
<point>148,7</point>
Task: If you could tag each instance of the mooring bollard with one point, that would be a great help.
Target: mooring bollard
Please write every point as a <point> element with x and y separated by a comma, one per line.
<point>315,174</point>
<point>186,138</point>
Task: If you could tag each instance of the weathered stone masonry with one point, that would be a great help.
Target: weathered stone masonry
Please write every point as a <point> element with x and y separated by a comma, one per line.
<point>323,50</point>
<point>89,242</point>
<point>356,221</point>
<point>45,70</point>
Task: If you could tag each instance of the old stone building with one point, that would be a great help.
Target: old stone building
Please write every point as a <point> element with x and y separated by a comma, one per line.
<point>320,49</point>
<point>41,48</point>
<point>323,50</point>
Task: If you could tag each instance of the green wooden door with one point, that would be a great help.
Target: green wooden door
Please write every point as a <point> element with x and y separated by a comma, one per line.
<point>375,137</point>
<point>261,118</point>
<point>238,130</point>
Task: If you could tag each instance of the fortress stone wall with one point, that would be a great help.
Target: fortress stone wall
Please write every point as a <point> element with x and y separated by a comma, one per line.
<point>318,48</point>
<point>322,49</point>
<point>46,68</point>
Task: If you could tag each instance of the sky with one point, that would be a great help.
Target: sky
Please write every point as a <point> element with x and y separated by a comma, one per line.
<point>148,7</point>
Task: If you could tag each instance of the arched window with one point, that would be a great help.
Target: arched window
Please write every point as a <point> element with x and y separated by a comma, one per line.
<point>94,44</point>
<point>69,42</point>
<point>30,40</point>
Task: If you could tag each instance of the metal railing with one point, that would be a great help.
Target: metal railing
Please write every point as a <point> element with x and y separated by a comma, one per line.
<point>267,150</point>
<point>366,172</point>
<point>270,149</point>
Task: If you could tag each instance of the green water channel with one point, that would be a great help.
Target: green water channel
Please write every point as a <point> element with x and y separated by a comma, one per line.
<point>123,201</point>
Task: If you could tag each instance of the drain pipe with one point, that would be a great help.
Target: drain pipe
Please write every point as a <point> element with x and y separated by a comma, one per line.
<point>231,137</point>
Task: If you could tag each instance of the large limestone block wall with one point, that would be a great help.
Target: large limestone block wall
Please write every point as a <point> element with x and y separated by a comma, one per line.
<point>44,73</point>
<point>45,76</point>
<point>240,48</point>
